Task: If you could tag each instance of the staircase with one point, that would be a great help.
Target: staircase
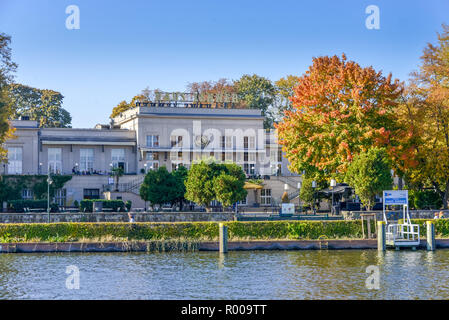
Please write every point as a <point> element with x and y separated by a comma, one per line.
<point>132,186</point>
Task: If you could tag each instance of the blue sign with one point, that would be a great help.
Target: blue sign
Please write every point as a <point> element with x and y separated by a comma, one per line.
<point>395,197</point>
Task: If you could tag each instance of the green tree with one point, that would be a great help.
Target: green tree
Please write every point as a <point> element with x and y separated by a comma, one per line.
<point>7,68</point>
<point>180,176</point>
<point>307,193</point>
<point>257,93</point>
<point>229,185</point>
<point>284,93</point>
<point>117,173</point>
<point>42,105</point>
<point>207,181</point>
<point>200,183</point>
<point>369,174</point>
<point>158,187</point>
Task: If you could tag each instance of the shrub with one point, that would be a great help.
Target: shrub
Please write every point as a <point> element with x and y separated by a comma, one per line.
<point>115,205</point>
<point>180,230</point>
<point>128,205</point>
<point>19,205</point>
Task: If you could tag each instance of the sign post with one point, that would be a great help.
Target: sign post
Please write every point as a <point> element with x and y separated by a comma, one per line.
<point>396,197</point>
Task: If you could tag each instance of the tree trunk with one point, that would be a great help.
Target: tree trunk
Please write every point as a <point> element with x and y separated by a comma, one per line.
<point>443,194</point>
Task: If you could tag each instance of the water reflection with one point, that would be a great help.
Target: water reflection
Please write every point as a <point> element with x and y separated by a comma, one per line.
<point>235,275</point>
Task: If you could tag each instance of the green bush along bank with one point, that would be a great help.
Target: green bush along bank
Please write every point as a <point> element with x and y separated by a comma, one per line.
<point>194,231</point>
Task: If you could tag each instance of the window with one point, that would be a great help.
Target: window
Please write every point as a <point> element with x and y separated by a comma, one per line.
<point>86,159</point>
<point>222,141</point>
<point>249,168</point>
<point>152,156</point>
<point>265,196</point>
<point>152,141</point>
<point>27,194</point>
<point>176,141</point>
<point>118,158</point>
<point>176,156</point>
<point>252,157</point>
<point>245,142</point>
<point>252,142</point>
<point>228,142</point>
<point>229,156</point>
<point>245,156</point>
<point>152,165</point>
<point>54,160</point>
<point>60,197</point>
<point>91,193</point>
<point>274,155</point>
<point>15,160</point>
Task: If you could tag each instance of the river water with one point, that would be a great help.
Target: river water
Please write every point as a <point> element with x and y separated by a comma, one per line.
<point>236,275</point>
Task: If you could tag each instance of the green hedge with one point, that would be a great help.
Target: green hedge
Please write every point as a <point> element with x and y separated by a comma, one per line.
<point>115,205</point>
<point>180,230</point>
<point>441,226</point>
<point>19,205</point>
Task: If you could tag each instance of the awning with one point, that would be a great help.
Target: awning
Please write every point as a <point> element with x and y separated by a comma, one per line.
<point>340,188</point>
<point>250,185</point>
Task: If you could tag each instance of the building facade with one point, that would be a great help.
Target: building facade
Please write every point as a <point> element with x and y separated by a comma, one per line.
<point>146,138</point>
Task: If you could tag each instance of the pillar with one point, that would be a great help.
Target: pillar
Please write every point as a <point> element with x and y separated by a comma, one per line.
<point>223,234</point>
<point>381,239</point>
<point>430,235</point>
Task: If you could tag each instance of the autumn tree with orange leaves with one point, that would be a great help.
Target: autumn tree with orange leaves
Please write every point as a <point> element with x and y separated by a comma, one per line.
<point>426,111</point>
<point>341,109</point>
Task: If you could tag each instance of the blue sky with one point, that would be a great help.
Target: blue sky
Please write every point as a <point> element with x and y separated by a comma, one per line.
<point>124,46</point>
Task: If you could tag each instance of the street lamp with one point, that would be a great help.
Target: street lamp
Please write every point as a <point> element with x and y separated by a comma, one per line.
<point>299,191</point>
<point>49,182</point>
<point>145,165</point>
<point>314,201</point>
<point>333,184</point>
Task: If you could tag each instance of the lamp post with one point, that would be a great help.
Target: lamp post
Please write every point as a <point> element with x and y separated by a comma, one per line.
<point>314,201</point>
<point>145,167</point>
<point>49,182</point>
<point>40,167</point>
<point>299,199</point>
<point>333,184</point>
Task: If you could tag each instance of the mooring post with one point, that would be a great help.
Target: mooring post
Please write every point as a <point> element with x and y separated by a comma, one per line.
<point>430,235</point>
<point>381,241</point>
<point>223,238</point>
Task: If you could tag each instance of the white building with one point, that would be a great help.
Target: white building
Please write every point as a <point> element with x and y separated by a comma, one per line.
<point>145,138</point>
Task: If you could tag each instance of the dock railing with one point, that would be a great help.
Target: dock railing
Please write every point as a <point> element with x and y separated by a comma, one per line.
<point>402,234</point>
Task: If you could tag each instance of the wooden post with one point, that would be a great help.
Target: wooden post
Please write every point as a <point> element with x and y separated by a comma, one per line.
<point>223,234</point>
<point>381,241</point>
<point>430,235</point>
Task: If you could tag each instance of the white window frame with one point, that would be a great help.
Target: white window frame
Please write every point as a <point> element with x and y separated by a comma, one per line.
<point>119,157</point>
<point>54,158</point>
<point>152,141</point>
<point>265,199</point>
<point>87,160</point>
<point>15,160</point>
